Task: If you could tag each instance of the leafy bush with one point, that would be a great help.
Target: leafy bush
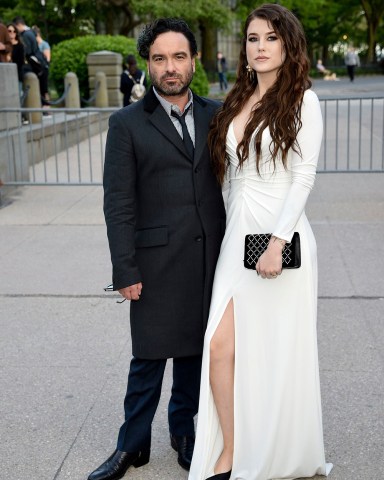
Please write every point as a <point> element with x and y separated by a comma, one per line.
<point>200,84</point>
<point>71,56</point>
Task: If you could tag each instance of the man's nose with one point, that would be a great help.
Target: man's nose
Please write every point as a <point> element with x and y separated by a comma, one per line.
<point>170,65</point>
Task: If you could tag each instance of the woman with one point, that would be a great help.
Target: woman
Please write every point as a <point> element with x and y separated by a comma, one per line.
<point>260,409</point>
<point>132,76</point>
<point>18,56</point>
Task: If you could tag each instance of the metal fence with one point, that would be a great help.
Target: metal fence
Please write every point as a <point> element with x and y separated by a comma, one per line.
<point>67,147</point>
<point>353,135</point>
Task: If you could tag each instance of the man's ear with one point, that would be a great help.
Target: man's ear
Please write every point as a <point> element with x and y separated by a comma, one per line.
<point>193,65</point>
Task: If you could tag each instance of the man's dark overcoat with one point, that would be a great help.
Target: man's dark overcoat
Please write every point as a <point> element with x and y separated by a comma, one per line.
<point>165,221</point>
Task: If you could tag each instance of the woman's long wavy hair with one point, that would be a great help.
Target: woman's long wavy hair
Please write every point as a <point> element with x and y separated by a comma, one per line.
<point>279,109</point>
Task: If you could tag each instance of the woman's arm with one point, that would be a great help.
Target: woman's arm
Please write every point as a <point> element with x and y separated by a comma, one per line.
<point>303,167</point>
<point>303,176</point>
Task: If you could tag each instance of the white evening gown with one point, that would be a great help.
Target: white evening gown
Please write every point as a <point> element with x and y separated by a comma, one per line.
<point>278,422</point>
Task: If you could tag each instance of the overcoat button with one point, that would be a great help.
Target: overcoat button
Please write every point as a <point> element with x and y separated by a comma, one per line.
<point>198,238</point>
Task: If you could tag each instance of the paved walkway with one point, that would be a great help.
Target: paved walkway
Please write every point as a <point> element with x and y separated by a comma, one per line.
<point>362,86</point>
<point>65,344</point>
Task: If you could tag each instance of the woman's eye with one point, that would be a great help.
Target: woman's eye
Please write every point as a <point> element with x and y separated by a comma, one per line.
<point>272,38</point>
<point>252,39</point>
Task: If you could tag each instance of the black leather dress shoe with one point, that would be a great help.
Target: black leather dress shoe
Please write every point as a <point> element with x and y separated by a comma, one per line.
<point>221,476</point>
<point>184,447</point>
<point>118,463</point>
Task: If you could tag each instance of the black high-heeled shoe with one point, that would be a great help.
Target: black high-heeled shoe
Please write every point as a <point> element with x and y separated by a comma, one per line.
<point>221,476</point>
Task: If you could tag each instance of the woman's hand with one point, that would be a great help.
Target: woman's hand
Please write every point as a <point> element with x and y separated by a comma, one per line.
<point>270,262</point>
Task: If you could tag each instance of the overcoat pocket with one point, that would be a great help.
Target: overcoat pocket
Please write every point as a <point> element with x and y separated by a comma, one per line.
<point>151,237</point>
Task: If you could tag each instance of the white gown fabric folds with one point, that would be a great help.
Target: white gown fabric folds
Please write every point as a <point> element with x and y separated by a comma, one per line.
<point>278,419</point>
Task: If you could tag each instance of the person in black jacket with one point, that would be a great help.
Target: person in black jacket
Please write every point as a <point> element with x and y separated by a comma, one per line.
<point>221,65</point>
<point>129,77</point>
<point>18,55</point>
<point>165,221</point>
<point>33,55</point>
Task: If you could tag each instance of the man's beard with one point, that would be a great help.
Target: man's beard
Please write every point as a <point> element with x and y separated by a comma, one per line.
<point>167,90</point>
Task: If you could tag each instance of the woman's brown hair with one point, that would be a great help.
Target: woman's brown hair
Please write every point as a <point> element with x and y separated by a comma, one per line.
<point>17,34</point>
<point>279,109</point>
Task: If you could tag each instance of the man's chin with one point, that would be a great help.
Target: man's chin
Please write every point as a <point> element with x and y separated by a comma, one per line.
<point>172,91</point>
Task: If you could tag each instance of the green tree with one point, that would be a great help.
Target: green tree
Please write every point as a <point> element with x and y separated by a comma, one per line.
<point>329,24</point>
<point>374,13</point>
<point>325,22</point>
<point>57,19</point>
<point>202,15</point>
<point>64,19</point>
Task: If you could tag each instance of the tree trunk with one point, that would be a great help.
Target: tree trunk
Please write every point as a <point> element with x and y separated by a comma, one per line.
<point>208,47</point>
<point>372,29</point>
<point>109,22</point>
<point>325,54</point>
<point>373,12</point>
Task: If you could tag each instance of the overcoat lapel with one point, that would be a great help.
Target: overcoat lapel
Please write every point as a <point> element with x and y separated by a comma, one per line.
<point>202,122</point>
<point>163,123</point>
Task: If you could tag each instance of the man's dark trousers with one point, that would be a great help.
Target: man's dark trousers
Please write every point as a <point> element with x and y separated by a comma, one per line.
<point>142,398</point>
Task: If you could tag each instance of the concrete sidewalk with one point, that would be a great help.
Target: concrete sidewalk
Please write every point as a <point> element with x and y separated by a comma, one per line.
<point>65,345</point>
<point>363,86</point>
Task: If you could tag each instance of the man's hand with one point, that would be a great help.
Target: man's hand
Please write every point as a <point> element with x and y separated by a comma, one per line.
<point>132,292</point>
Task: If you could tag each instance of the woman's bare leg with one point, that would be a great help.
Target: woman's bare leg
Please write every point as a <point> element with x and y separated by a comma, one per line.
<point>221,372</point>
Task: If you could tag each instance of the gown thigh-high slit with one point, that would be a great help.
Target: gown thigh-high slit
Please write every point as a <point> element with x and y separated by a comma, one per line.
<point>277,407</point>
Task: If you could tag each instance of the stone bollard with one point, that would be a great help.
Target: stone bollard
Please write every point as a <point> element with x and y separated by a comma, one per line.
<point>101,100</point>
<point>9,95</point>
<point>111,64</point>
<point>13,138</point>
<point>72,100</point>
<point>33,99</point>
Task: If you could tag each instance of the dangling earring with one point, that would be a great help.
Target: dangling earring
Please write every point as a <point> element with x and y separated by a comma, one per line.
<point>250,72</point>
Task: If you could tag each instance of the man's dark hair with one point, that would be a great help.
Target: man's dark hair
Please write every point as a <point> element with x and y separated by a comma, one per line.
<point>18,20</point>
<point>162,25</point>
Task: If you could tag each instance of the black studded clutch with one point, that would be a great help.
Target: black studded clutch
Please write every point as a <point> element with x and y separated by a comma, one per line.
<point>256,244</point>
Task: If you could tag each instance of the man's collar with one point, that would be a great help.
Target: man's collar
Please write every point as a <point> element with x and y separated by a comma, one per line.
<point>169,106</point>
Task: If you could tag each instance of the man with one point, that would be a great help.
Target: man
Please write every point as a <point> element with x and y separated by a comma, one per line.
<point>33,55</point>
<point>45,50</point>
<point>165,221</point>
<point>221,69</point>
<point>44,46</point>
<point>352,61</point>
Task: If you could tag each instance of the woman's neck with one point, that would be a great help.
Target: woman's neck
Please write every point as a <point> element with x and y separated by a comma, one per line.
<point>264,82</point>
